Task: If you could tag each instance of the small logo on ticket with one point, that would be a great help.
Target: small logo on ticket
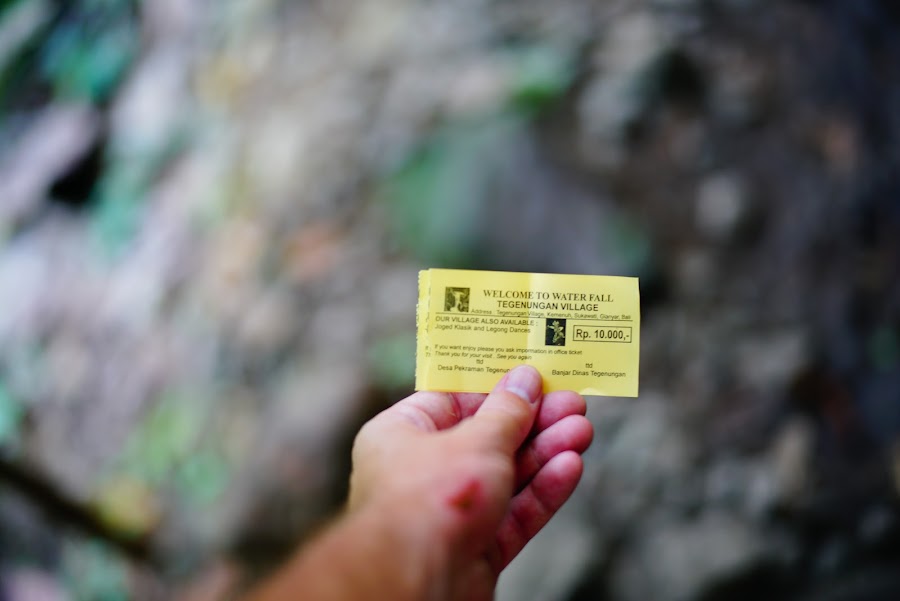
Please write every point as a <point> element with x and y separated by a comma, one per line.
<point>456,299</point>
<point>555,334</point>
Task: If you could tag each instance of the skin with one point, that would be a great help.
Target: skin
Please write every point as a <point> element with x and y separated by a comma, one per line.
<point>446,490</point>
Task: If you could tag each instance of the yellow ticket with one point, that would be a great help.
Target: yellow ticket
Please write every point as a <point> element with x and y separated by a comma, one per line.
<point>582,332</point>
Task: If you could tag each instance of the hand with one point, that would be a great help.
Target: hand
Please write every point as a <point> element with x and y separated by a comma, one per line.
<point>470,478</point>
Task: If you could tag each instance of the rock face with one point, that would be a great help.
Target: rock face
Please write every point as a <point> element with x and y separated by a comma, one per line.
<point>554,565</point>
<point>212,214</point>
<point>682,561</point>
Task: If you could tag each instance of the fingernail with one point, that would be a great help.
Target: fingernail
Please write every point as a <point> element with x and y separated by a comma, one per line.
<point>524,381</point>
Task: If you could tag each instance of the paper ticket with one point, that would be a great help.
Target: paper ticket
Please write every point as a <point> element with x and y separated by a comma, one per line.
<point>582,332</point>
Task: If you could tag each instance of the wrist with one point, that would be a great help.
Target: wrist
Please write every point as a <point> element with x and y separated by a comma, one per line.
<point>375,552</point>
<point>408,551</point>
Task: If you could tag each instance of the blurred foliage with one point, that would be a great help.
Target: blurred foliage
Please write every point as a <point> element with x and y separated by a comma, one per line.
<point>203,477</point>
<point>542,75</point>
<point>166,436</point>
<point>166,452</point>
<point>884,348</point>
<point>436,196</point>
<point>128,506</point>
<point>86,54</point>
<point>119,196</point>
<point>23,24</point>
<point>169,449</point>
<point>393,361</point>
<point>630,243</point>
<point>11,415</point>
<point>118,200</point>
<point>94,572</point>
<point>78,50</point>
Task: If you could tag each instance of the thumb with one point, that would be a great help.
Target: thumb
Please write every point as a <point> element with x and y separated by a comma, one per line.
<point>503,421</point>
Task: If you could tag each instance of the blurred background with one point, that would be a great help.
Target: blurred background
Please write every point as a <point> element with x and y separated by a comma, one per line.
<point>211,218</point>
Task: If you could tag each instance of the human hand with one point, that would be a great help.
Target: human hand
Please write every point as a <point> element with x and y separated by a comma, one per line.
<point>469,478</point>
